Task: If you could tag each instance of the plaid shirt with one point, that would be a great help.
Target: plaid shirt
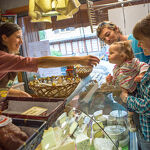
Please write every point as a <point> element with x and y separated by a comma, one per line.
<point>141,104</point>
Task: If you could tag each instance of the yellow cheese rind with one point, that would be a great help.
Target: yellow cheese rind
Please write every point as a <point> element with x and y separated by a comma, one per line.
<point>69,144</point>
<point>96,127</point>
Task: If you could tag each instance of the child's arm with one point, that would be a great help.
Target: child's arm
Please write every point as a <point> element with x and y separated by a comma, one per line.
<point>139,77</point>
<point>123,95</point>
<point>142,67</point>
<point>109,79</point>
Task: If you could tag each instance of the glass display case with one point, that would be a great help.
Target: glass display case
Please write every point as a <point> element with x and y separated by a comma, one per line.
<point>93,120</point>
<point>91,100</point>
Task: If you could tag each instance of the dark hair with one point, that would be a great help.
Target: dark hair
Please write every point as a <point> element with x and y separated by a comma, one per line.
<point>142,28</point>
<point>7,29</point>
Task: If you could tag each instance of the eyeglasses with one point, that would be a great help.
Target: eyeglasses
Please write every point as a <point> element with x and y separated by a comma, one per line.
<point>104,23</point>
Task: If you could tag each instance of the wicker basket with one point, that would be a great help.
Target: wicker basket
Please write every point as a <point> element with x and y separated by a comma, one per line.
<point>83,71</point>
<point>54,87</point>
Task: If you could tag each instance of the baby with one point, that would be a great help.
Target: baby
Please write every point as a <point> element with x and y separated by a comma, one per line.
<point>127,71</point>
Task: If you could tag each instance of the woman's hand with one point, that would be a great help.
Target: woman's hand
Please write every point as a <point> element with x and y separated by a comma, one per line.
<point>88,60</point>
<point>109,78</point>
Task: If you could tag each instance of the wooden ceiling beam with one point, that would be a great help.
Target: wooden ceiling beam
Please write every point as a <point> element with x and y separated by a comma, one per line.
<point>18,10</point>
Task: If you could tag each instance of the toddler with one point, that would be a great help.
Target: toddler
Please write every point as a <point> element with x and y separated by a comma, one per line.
<point>127,71</point>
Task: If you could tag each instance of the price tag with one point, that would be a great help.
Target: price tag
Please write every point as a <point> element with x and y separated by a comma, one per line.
<point>36,111</point>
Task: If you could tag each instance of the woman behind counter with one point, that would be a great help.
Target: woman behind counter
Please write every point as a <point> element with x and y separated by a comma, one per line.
<point>10,63</point>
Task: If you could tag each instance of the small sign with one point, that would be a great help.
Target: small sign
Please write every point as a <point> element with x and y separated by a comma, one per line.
<point>36,111</point>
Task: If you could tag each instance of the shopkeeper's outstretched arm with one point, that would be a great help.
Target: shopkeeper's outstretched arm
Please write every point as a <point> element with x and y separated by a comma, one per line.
<point>52,61</point>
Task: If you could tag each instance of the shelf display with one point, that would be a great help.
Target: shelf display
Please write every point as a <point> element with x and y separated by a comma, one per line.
<point>8,18</point>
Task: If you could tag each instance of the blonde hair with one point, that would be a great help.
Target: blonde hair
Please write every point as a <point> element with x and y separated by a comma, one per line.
<point>125,49</point>
<point>142,28</point>
<point>106,24</point>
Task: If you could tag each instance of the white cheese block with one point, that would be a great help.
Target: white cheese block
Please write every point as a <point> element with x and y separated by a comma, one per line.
<point>80,119</point>
<point>103,144</point>
<point>49,139</point>
<point>82,129</point>
<point>116,131</point>
<point>73,127</point>
<point>62,118</point>
<point>111,121</point>
<point>87,120</point>
<point>69,144</point>
<point>71,113</point>
<point>58,135</point>
<point>70,121</point>
<point>102,119</point>
<point>97,114</point>
<point>83,142</point>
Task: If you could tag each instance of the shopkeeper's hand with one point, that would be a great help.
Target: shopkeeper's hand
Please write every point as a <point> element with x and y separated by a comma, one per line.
<point>11,137</point>
<point>89,60</point>
<point>124,96</point>
<point>18,93</point>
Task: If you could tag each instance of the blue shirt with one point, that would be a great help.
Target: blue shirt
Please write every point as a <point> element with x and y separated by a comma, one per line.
<point>141,104</point>
<point>138,51</point>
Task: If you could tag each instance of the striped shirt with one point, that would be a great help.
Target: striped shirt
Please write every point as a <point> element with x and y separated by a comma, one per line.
<point>141,104</point>
<point>124,75</point>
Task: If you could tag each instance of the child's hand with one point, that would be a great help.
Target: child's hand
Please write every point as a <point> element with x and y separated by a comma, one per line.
<point>139,77</point>
<point>109,78</point>
<point>124,96</point>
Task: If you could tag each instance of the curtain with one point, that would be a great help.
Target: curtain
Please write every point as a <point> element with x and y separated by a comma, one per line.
<point>30,33</point>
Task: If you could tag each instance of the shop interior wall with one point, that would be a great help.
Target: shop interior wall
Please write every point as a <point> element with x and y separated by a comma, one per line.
<point>127,17</point>
<point>10,4</point>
